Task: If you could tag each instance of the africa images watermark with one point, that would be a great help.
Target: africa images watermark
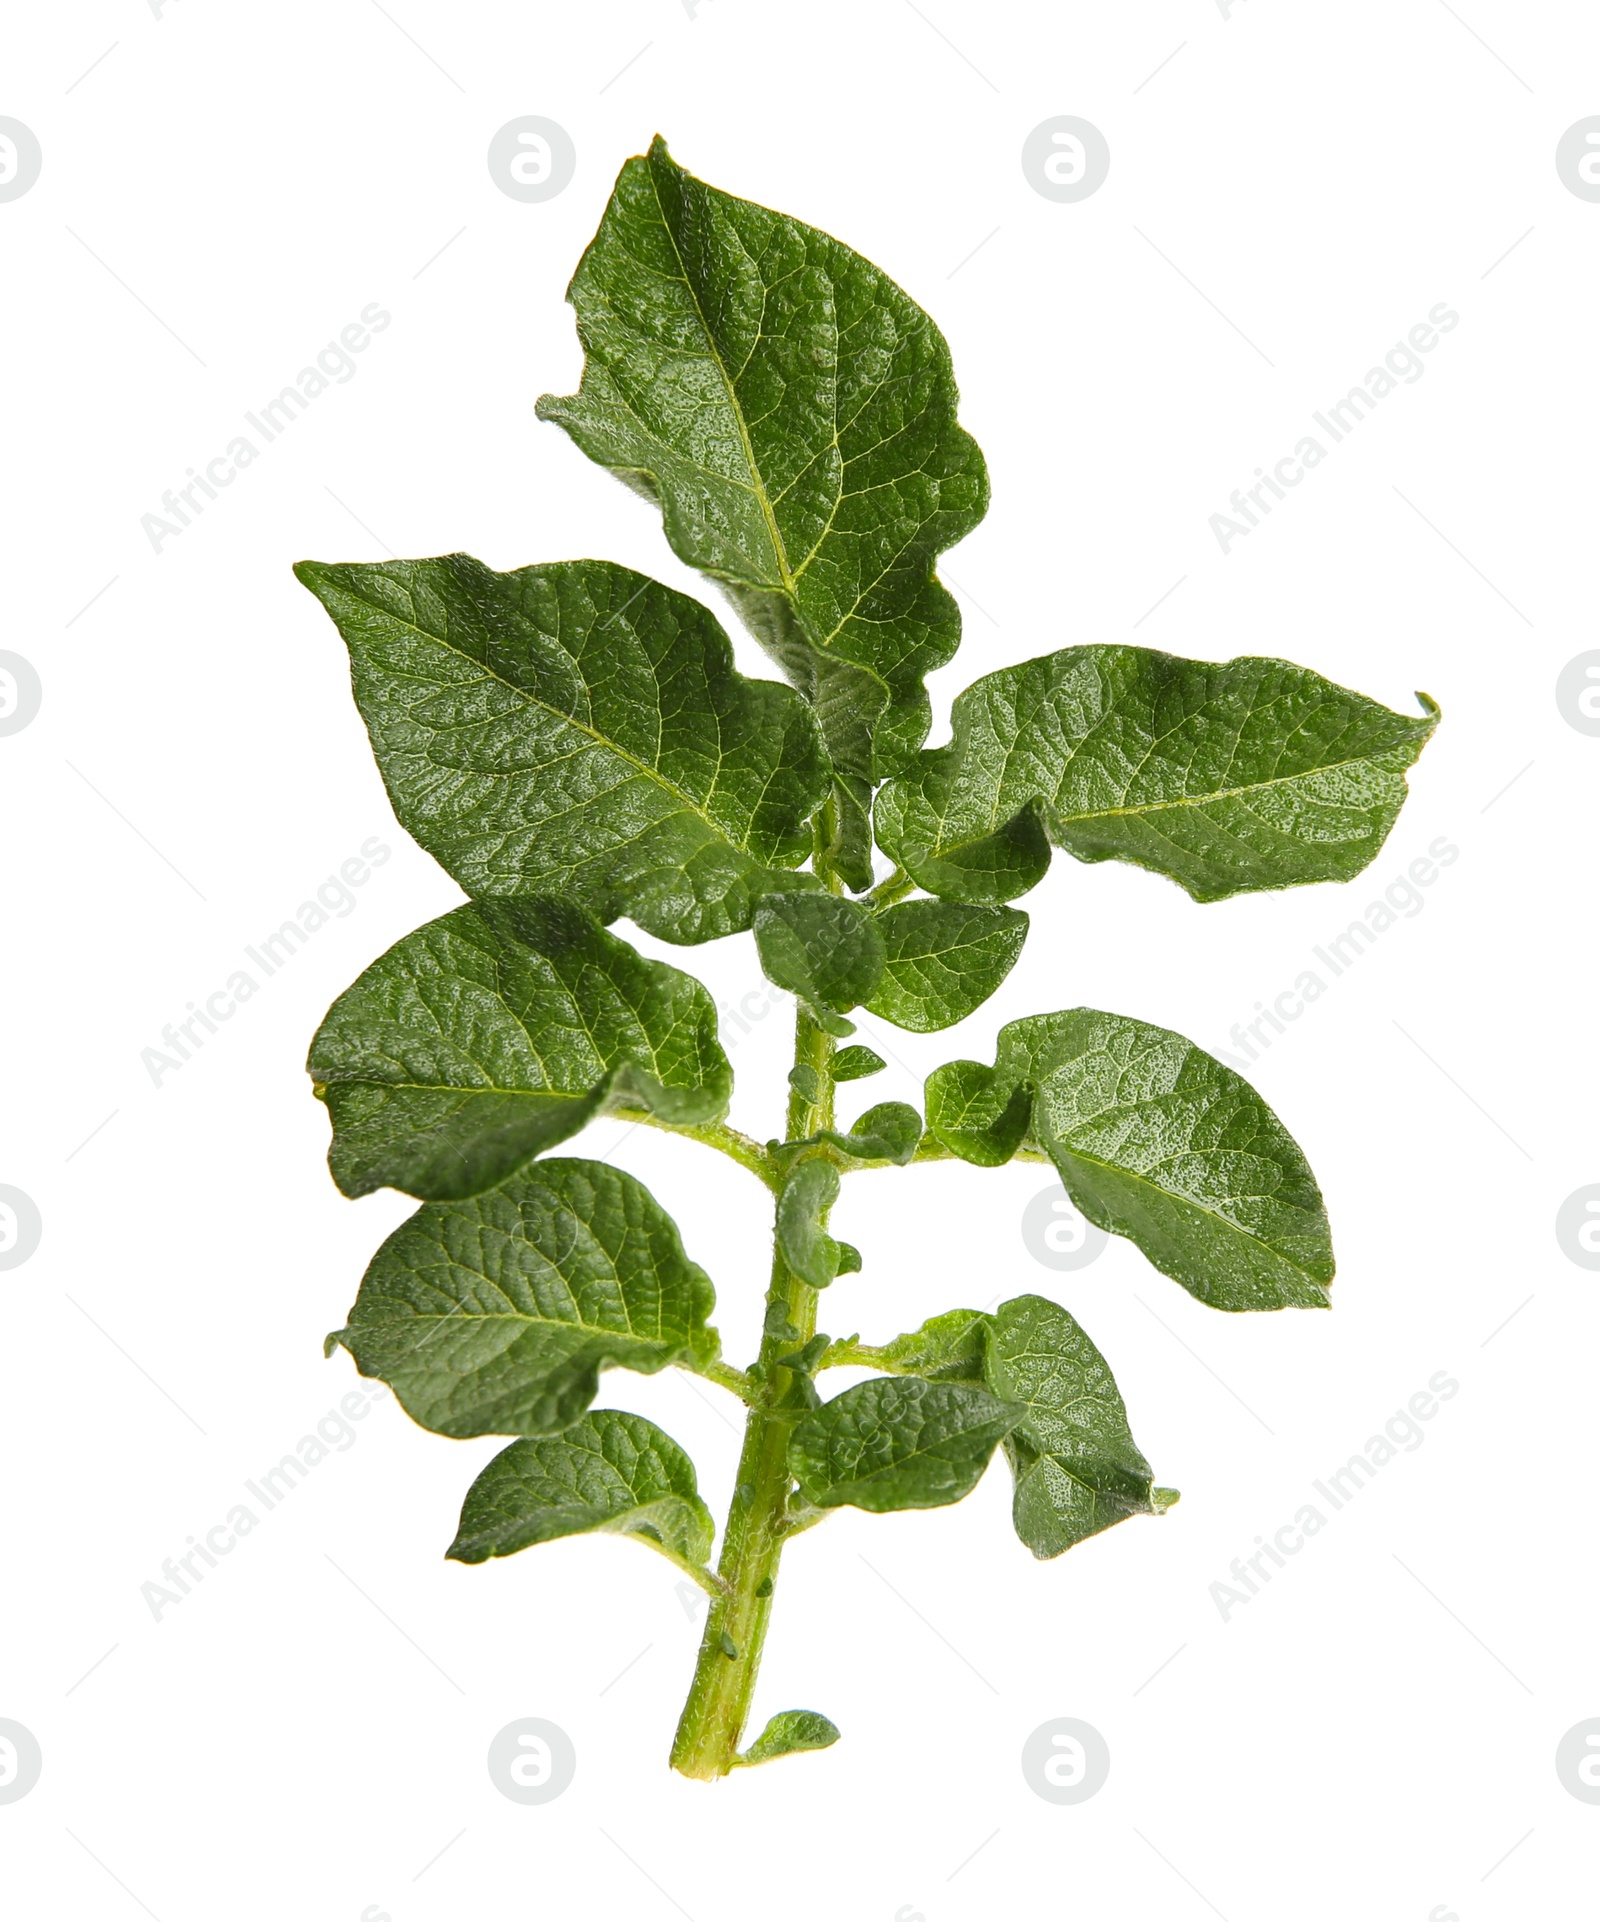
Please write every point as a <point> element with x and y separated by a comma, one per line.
<point>1402,899</point>
<point>182,1039</point>
<point>1251,1573</point>
<point>1402,364</point>
<point>183,1572</point>
<point>182,505</point>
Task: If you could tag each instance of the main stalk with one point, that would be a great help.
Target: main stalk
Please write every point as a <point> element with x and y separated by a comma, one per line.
<point>714,1716</point>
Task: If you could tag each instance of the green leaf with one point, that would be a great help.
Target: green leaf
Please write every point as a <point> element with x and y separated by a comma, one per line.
<point>495,1315</point>
<point>888,1132</point>
<point>822,948</point>
<point>856,1063</point>
<point>498,1031</point>
<point>805,1081</point>
<point>942,960</point>
<point>776,1322</point>
<point>610,1472</point>
<point>982,1114</point>
<point>1155,1140</point>
<point>1077,1468</point>
<point>793,411</point>
<point>578,729</point>
<point>947,1347</point>
<point>809,1191</point>
<point>800,1392</point>
<point>1227,777</point>
<point>805,1360</point>
<point>899,1442</point>
<point>788,1733</point>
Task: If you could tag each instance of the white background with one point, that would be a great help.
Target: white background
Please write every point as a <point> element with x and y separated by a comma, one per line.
<point>306,1732</point>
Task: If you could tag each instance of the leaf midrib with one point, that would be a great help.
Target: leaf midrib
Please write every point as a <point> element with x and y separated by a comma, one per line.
<point>1219,794</point>
<point>1098,1496</point>
<point>1040,1076</point>
<point>759,486</point>
<point>1199,1207</point>
<point>923,1452</point>
<point>473,1320</point>
<point>788,578</point>
<point>433,1087</point>
<point>943,848</point>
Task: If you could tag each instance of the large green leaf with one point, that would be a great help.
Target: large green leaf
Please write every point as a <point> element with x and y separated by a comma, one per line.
<point>497,1031</point>
<point>578,729</point>
<point>899,1442</point>
<point>495,1315</point>
<point>1155,1140</point>
<point>1226,777</point>
<point>942,960</point>
<point>609,1472</point>
<point>1076,1465</point>
<point>793,411</point>
<point>825,949</point>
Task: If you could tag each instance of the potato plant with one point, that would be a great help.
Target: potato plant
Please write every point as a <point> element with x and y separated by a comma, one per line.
<point>573,743</point>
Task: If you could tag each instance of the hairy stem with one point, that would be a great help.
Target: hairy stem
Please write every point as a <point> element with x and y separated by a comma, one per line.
<point>742,1148</point>
<point>759,1520</point>
<point>823,830</point>
<point>735,1380</point>
<point>855,1354</point>
<point>927,1150</point>
<point>713,1584</point>
<point>895,888</point>
<point>930,1150</point>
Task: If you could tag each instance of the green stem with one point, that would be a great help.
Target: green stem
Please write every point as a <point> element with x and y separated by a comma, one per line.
<point>854,1354</point>
<point>711,1583</point>
<point>895,888</point>
<point>927,1150</point>
<point>930,1150</point>
<point>742,1148</point>
<point>824,827</point>
<point>735,1380</point>
<point>714,1716</point>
